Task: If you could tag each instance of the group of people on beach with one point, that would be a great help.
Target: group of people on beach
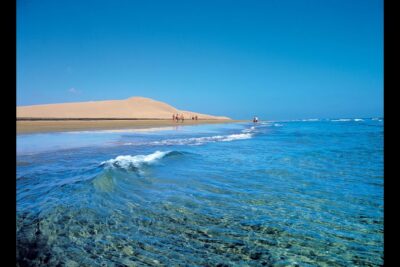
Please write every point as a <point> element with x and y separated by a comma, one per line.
<point>177,117</point>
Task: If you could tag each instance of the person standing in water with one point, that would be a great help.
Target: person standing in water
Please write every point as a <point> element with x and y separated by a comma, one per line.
<point>255,120</point>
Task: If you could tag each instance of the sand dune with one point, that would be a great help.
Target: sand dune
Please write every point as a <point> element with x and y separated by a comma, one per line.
<point>134,107</point>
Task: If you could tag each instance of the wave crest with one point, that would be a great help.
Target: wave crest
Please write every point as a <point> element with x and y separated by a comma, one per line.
<point>129,162</point>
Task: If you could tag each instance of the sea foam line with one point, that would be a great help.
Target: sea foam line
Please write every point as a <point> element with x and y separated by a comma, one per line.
<point>202,140</point>
<point>342,120</point>
<point>348,120</point>
<point>310,120</point>
<point>246,134</point>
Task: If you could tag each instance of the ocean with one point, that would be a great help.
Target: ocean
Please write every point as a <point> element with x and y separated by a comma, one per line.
<point>275,193</point>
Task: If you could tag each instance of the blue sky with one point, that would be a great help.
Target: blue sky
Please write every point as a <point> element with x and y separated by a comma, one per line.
<point>277,59</point>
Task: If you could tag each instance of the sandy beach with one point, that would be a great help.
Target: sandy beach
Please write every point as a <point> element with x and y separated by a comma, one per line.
<point>131,113</point>
<point>38,126</point>
<point>131,108</point>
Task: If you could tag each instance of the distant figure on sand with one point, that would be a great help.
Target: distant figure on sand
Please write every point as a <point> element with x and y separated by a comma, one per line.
<point>177,117</point>
<point>182,118</point>
<point>195,117</point>
<point>173,117</point>
<point>255,120</point>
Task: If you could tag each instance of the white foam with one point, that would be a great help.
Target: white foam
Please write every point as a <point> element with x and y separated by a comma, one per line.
<point>278,125</point>
<point>236,137</point>
<point>358,120</point>
<point>342,120</point>
<point>215,138</point>
<point>198,140</point>
<point>127,161</point>
<point>249,130</point>
<point>310,120</point>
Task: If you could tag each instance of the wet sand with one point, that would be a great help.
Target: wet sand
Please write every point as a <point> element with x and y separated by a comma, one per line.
<point>39,126</point>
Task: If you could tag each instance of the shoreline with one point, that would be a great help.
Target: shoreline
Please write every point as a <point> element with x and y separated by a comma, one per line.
<point>26,126</point>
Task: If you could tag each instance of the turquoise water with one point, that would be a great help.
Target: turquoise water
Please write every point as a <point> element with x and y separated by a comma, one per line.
<point>288,193</point>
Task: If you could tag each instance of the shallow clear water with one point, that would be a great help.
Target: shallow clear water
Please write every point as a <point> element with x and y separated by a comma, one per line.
<point>299,193</point>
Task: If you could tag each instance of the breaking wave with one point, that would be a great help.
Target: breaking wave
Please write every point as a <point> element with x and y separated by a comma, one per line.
<point>129,162</point>
<point>118,172</point>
